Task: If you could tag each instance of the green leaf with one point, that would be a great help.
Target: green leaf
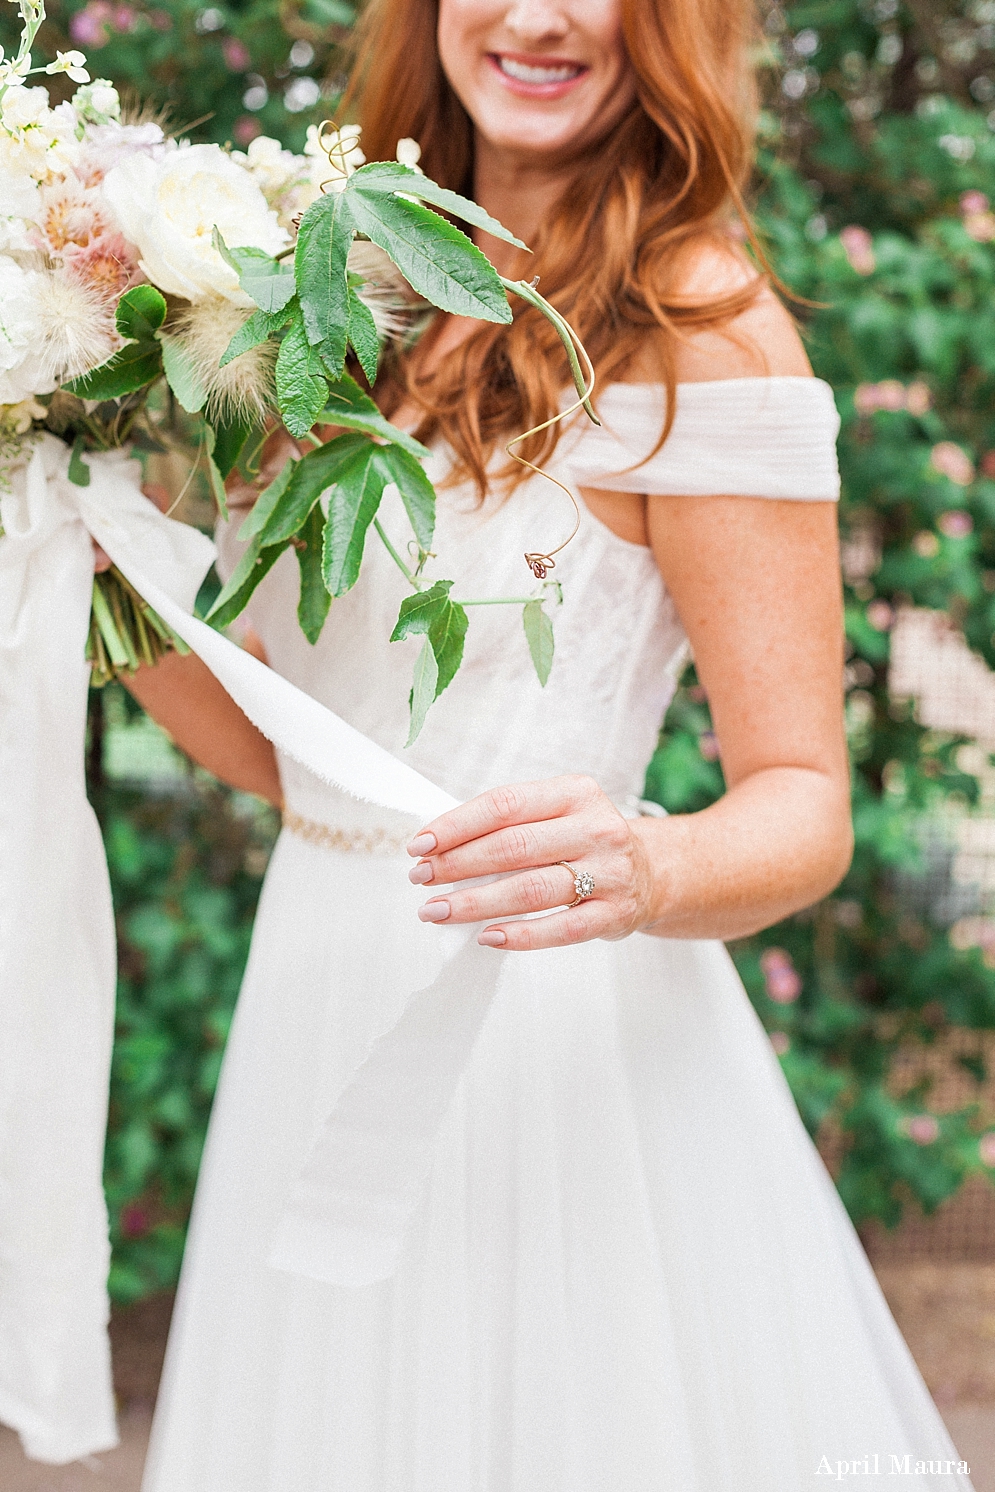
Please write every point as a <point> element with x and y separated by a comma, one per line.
<point>254,565</point>
<point>260,326</point>
<point>539,635</point>
<point>228,442</point>
<point>447,636</point>
<point>349,406</point>
<point>363,336</point>
<point>436,259</point>
<point>79,472</point>
<point>261,276</point>
<point>271,293</point>
<point>424,689</point>
<point>352,506</point>
<point>214,472</point>
<point>301,385</point>
<point>312,608</point>
<point>329,12</point>
<point>326,232</point>
<point>392,177</point>
<point>417,492</point>
<point>443,620</point>
<point>130,369</point>
<point>419,612</point>
<point>267,502</point>
<point>309,478</point>
<point>181,375</point>
<point>140,313</point>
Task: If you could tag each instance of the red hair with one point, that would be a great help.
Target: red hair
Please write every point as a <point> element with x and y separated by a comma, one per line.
<point>615,253</point>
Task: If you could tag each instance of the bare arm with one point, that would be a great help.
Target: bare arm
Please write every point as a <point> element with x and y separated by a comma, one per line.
<point>183,696</point>
<point>757,586</point>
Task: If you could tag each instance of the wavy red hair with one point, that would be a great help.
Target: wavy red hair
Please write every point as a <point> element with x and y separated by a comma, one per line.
<point>614,255</point>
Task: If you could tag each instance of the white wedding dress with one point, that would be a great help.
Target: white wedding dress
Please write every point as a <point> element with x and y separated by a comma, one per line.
<point>630,1271</point>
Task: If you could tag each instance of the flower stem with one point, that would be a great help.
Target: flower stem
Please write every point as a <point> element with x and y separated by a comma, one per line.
<point>395,556</point>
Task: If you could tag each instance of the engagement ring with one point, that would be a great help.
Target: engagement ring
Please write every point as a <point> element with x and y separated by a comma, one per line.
<point>583,883</point>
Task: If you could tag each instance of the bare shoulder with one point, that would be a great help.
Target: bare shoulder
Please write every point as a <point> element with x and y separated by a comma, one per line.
<point>761,341</point>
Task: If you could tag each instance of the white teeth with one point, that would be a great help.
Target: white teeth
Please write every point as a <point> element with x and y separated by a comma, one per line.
<point>523,73</point>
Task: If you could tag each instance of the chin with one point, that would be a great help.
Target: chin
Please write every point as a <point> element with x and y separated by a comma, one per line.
<point>530,131</point>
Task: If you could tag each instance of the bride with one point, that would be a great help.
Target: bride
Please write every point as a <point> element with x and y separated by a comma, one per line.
<point>630,1271</point>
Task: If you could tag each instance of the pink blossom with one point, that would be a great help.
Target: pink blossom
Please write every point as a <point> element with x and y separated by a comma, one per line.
<point>236,54</point>
<point>923,1129</point>
<point>858,246</point>
<point>161,20</point>
<point>891,395</point>
<point>708,745</point>
<point>952,462</point>
<point>986,1148</point>
<point>956,524</point>
<point>781,1042</point>
<point>134,1221</point>
<point>918,399</point>
<point>879,616</point>
<point>109,263</point>
<point>245,129</point>
<point>780,976</point>
<point>123,19</point>
<point>980,226</point>
<point>88,29</point>
<point>972,202</point>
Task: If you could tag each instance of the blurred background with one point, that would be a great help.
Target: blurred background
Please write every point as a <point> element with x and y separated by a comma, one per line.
<point>873,188</point>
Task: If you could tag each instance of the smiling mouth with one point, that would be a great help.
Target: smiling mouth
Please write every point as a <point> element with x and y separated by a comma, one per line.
<point>538,75</point>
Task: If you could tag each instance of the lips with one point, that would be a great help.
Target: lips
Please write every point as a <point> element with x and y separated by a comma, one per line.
<point>537,77</point>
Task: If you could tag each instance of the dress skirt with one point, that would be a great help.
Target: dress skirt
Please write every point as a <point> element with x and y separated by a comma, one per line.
<point>630,1272</point>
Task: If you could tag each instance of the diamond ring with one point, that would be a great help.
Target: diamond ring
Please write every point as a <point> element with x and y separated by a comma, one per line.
<point>584,883</point>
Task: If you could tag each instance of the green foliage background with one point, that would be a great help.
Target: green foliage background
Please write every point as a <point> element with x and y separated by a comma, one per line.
<point>878,115</point>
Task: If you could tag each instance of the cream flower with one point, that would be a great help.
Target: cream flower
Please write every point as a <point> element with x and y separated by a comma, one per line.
<point>409,154</point>
<point>21,370</point>
<point>170,207</point>
<point>72,63</point>
<point>35,140</point>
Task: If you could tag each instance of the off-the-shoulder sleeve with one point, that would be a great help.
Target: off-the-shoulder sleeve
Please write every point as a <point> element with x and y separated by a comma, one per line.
<point>748,437</point>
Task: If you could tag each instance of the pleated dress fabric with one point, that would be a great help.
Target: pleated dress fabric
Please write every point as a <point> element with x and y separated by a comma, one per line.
<point>630,1271</point>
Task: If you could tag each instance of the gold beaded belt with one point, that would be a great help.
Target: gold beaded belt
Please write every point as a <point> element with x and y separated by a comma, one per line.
<point>357,841</point>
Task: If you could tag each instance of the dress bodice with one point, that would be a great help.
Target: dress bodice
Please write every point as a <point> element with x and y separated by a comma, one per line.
<point>619,643</point>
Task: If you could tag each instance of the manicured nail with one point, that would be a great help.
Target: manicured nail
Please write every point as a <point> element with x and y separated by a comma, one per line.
<point>420,875</point>
<point>492,938</point>
<point>422,844</point>
<point>434,911</point>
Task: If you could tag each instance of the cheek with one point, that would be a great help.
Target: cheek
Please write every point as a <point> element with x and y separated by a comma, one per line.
<point>461,25</point>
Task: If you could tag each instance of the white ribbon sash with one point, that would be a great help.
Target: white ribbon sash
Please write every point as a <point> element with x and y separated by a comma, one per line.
<point>347,1217</point>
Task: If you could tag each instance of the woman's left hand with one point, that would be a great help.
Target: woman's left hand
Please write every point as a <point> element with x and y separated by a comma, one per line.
<point>521,832</point>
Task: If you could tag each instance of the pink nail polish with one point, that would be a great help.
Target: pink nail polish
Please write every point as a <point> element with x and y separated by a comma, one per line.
<point>422,844</point>
<point>420,875</point>
<point>434,911</point>
<point>492,938</point>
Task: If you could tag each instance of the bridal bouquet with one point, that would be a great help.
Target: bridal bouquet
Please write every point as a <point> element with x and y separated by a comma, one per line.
<point>132,263</point>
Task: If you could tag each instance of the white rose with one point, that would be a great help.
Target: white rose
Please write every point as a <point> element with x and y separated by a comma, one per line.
<point>20,335</point>
<point>169,209</point>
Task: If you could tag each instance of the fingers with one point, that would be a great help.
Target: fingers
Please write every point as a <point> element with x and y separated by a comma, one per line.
<point>101,559</point>
<point>590,919</point>
<point>521,803</point>
<point>536,890</point>
<point>521,847</point>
